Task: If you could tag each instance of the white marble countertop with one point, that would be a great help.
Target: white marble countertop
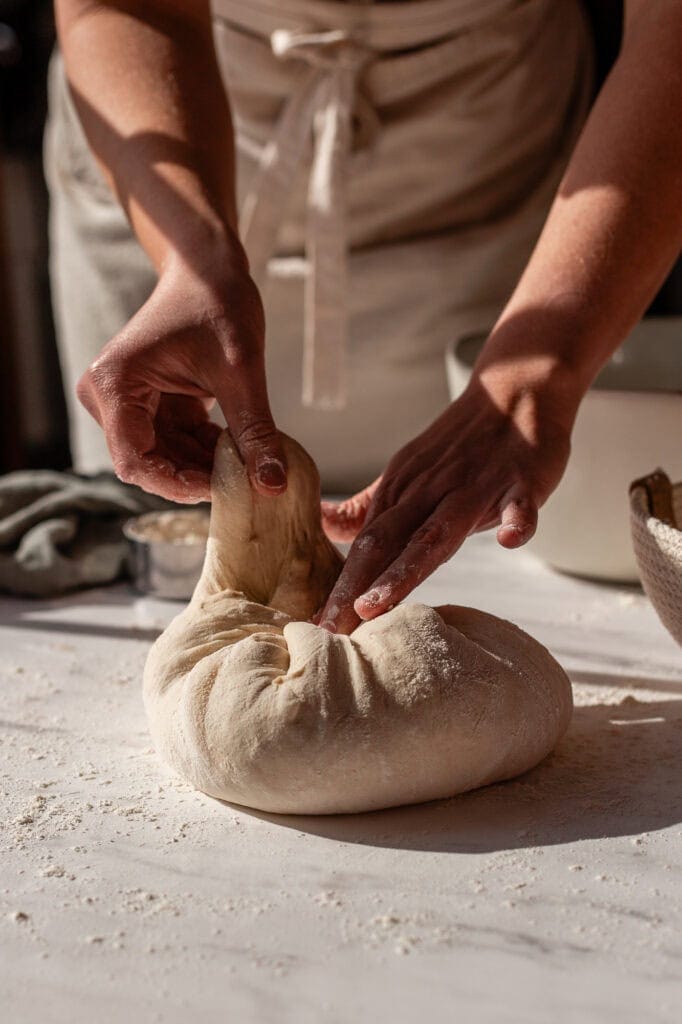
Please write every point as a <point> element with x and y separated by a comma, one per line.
<point>127,897</point>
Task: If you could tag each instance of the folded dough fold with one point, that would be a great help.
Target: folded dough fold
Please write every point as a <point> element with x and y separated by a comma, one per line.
<point>253,704</point>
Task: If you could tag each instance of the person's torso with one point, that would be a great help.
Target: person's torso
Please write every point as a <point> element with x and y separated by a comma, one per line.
<point>458,105</point>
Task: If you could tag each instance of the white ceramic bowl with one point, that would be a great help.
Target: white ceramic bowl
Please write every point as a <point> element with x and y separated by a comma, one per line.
<point>629,421</point>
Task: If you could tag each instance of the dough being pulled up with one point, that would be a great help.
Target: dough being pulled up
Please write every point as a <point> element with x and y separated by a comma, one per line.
<point>253,704</point>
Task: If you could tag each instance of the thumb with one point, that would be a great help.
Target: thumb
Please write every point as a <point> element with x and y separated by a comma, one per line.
<point>343,520</point>
<point>244,403</point>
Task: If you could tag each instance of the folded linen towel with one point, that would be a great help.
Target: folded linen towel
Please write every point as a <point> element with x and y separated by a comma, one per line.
<point>61,531</point>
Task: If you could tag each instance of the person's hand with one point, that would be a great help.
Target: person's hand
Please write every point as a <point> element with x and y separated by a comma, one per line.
<point>153,385</point>
<point>477,466</point>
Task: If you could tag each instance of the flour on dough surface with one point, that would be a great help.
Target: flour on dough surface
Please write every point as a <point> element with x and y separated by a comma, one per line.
<point>252,703</point>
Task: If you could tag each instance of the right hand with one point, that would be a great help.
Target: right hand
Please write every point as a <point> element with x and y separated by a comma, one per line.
<point>151,388</point>
<point>491,459</point>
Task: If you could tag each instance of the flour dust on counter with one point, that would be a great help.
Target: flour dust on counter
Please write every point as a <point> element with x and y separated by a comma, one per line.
<point>126,895</point>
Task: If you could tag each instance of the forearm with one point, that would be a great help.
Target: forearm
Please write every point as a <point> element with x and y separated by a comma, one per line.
<point>614,230</point>
<point>146,84</point>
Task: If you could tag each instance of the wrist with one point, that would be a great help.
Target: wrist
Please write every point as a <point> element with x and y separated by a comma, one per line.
<point>212,288</point>
<point>538,395</point>
<point>515,369</point>
<point>210,253</point>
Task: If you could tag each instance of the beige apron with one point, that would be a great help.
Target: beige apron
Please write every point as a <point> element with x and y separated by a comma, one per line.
<point>395,164</point>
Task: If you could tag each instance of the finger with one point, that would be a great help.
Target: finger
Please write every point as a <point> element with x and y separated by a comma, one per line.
<point>131,438</point>
<point>157,475</point>
<point>183,427</point>
<point>245,406</point>
<point>374,549</point>
<point>177,425</point>
<point>87,396</point>
<point>183,450</point>
<point>518,520</point>
<point>343,520</point>
<point>432,544</point>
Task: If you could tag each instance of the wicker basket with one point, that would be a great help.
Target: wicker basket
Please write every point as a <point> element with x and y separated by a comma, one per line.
<point>656,522</point>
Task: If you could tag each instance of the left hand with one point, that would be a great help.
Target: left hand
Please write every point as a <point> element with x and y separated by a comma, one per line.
<point>477,466</point>
<point>198,338</point>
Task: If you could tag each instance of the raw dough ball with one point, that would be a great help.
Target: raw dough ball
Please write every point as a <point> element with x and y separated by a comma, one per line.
<point>252,704</point>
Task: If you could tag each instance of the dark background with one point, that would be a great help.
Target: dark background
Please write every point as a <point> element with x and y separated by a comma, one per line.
<point>32,415</point>
<point>33,426</point>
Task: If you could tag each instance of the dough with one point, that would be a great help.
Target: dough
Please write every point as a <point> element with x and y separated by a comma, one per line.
<point>253,704</point>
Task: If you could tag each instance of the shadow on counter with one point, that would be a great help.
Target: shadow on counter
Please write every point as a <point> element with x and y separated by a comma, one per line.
<point>617,772</point>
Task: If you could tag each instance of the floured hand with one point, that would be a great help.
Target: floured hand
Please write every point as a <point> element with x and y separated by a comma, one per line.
<point>477,466</point>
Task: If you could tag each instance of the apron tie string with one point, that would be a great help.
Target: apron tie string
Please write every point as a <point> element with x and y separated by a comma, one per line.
<point>322,107</point>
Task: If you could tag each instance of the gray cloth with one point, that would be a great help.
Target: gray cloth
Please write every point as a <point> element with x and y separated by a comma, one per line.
<point>60,531</point>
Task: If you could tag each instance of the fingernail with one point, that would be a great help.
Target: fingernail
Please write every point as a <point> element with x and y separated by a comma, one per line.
<point>372,598</point>
<point>516,531</point>
<point>328,625</point>
<point>271,474</point>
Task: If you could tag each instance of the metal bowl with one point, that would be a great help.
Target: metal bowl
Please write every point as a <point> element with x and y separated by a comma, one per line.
<point>166,551</point>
